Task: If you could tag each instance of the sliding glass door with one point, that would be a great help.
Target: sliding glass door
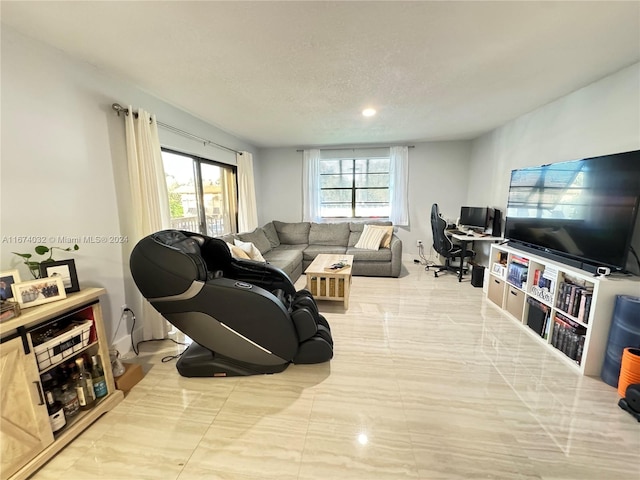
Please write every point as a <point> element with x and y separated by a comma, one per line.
<point>202,194</point>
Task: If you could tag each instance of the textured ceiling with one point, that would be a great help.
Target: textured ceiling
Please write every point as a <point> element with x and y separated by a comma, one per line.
<point>299,73</point>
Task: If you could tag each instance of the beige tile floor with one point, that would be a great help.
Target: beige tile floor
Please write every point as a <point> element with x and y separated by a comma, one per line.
<point>429,381</point>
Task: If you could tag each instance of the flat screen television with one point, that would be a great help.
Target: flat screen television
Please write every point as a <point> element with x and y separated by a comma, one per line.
<point>582,211</point>
<point>474,217</point>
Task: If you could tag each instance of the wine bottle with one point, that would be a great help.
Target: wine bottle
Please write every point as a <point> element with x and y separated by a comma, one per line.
<point>69,399</point>
<point>56,413</point>
<point>84,387</point>
<point>97,376</point>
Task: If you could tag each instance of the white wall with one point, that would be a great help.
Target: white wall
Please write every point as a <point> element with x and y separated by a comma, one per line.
<point>599,119</point>
<point>438,173</point>
<point>279,182</point>
<point>63,165</point>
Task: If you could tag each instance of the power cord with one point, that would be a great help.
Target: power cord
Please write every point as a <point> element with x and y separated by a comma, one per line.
<point>425,261</point>
<point>135,347</point>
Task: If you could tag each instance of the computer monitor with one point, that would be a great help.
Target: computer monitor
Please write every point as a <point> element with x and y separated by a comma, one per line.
<point>474,217</point>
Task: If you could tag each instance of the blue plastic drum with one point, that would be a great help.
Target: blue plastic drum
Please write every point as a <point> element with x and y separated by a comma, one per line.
<point>624,332</point>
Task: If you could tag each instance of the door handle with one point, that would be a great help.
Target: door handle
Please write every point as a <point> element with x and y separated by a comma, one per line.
<point>39,388</point>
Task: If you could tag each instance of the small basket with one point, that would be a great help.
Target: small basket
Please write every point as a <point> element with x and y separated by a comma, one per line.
<point>64,345</point>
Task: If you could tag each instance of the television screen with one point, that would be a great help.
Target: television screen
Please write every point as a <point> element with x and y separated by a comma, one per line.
<point>583,209</point>
<point>474,217</point>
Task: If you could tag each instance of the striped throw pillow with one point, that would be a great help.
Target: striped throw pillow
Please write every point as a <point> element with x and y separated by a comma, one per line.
<point>370,238</point>
<point>388,232</point>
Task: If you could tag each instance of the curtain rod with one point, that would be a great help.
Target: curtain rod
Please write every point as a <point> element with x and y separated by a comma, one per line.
<point>358,148</point>
<point>120,109</point>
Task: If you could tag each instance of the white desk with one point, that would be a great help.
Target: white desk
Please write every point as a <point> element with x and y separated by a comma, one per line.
<point>464,240</point>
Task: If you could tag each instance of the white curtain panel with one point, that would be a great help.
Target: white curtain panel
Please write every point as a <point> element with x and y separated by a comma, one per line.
<point>398,185</point>
<point>149,198</point>
<point>311,185</point>
<point>247,207</point>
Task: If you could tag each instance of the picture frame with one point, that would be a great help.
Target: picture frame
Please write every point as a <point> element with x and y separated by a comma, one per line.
<point>8,278</point>
<point>65,269</point>
<point>37,292</point>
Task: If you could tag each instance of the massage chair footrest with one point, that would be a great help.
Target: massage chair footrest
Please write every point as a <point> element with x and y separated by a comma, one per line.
<point>315,350</point>
<point>197,361</point>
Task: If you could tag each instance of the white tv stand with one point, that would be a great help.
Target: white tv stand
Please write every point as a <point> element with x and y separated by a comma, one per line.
<point>514,279</point>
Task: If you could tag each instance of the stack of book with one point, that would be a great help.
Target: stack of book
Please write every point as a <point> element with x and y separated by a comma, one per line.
<point>575,299</point>
<point>539,317</point>
<point>568,337</point>
<point>517,271</point>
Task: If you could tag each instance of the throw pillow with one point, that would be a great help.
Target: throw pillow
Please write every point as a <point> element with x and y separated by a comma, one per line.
<point>250,249</point>
<point>370,238</point>
<point>388,233</point>
<point>237,252</point>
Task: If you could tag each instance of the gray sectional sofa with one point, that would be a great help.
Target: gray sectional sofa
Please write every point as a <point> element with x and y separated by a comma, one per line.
<point>292,246</point>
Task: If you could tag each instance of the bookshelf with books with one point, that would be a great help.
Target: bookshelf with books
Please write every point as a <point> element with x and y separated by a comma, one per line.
<point>567,309</point>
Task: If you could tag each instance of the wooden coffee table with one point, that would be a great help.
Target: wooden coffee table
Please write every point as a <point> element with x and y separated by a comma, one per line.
<point>327,284</point>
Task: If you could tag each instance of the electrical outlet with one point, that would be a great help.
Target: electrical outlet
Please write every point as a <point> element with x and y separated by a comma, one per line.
<point>418,243</point>
<point>124,307</point>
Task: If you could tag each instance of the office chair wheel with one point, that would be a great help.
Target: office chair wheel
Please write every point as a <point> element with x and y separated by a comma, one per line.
<point>435,274</point>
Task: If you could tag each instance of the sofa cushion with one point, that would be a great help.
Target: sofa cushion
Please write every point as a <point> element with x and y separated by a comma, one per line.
<point>285,258</point>
<point>312,251</point>
<point>329,234</point>
<point>360,255</point>
<point>272,235</point>
<point>357,227</point>
<point>371,238</point>
<point>294,233</point>
<point>258,238</point>
<point>228,238</point>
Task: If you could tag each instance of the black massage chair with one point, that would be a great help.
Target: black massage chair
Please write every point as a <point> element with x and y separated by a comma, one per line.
<point>244,317</point>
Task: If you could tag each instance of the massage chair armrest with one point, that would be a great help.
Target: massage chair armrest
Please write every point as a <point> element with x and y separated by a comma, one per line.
<point>263,275</point>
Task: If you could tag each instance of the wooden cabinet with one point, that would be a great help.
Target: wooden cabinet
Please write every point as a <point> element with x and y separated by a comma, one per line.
<point>567,309</point>
<point>24,427</point>
<point>26,438</point>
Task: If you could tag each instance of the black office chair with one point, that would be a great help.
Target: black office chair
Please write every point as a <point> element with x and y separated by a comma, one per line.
<point>443,244</point>
<point>244,317</point>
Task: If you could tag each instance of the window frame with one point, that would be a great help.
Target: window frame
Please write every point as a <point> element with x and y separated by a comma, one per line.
<point>354,188</point>
<point>197,164</point>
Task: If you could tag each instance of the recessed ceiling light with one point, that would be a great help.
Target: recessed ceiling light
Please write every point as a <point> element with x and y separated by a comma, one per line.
<point>369,112</point>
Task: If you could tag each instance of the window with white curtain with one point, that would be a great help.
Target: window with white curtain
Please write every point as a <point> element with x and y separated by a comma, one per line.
<point>354,187</point>
<point>202,194</point>
<point>361,183</point>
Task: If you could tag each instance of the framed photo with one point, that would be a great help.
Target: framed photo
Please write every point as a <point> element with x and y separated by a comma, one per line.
<point>36,292</point>
<point>7,279</point>
<point>66,269</point>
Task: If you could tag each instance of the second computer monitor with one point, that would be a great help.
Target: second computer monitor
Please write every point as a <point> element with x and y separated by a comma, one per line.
<point>474,217</point>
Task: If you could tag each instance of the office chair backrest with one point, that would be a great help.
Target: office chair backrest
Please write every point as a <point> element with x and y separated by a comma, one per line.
<point>441,243</point>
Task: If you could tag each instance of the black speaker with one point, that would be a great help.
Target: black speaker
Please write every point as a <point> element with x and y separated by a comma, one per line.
<point>477,275</point>
<point>496,223</point>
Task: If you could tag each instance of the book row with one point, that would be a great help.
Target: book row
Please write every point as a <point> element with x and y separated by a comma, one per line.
<point>575,300</point>
<point>568,337</point>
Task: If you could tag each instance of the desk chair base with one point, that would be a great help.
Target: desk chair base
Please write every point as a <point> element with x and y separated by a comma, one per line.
<point>446,268</point>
